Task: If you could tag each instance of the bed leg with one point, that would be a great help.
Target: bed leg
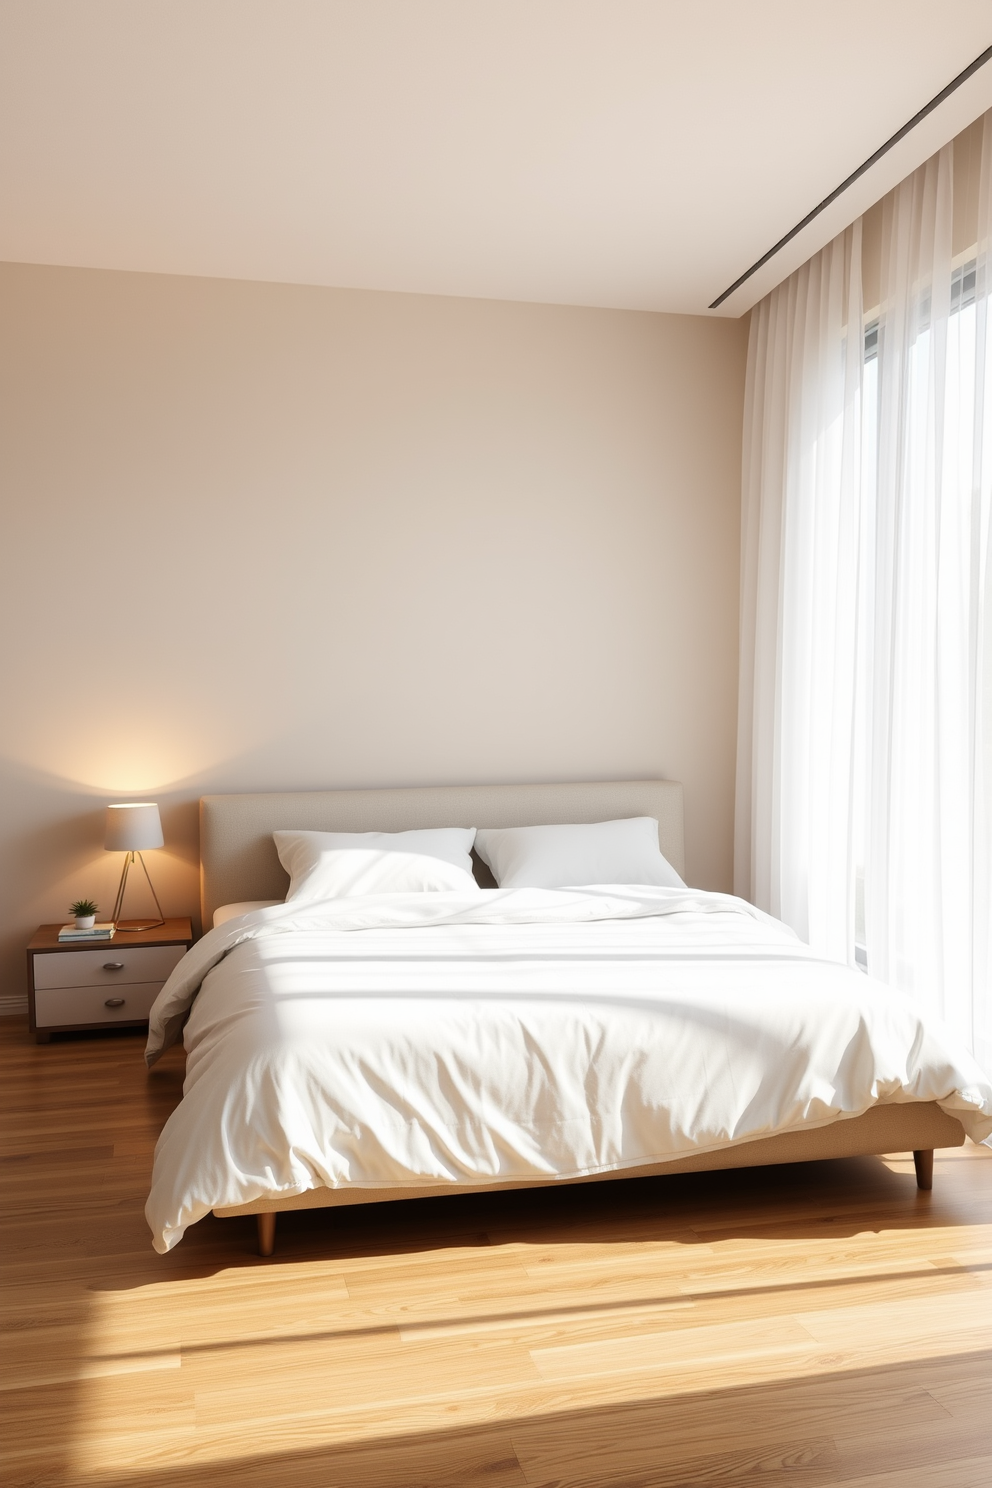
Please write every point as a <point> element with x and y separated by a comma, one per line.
<point>923,1162</point>
<point>267,1233</point>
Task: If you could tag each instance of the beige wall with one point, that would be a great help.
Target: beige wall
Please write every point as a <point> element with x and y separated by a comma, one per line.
<point>267,537</point>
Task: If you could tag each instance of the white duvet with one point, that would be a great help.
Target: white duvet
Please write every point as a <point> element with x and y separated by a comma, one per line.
<point>424,1039</point>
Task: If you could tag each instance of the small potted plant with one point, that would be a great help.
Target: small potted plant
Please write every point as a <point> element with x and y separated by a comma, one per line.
<point>85,912</point>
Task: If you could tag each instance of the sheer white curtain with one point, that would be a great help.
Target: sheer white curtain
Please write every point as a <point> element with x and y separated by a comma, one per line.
<point>865,732</point>
<point>800,541</point>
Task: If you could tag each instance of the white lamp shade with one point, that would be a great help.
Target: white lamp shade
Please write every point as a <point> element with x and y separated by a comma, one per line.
<point>133,826</point>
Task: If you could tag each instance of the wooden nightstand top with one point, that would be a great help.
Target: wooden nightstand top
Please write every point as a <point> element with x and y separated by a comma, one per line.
<point>173,932</point>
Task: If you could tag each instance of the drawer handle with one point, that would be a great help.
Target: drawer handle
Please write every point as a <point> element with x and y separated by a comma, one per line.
<point>114,1002</point>
<point>113,965</point>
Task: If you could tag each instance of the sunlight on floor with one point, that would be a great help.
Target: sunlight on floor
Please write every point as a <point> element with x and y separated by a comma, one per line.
<point>366,1349</point>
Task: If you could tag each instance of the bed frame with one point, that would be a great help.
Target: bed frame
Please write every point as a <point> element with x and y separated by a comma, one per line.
<point>238,861</point>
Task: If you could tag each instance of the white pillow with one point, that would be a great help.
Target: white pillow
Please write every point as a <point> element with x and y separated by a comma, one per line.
<point>225,912</point>
<point>333,865</point>
<point>613,852</point>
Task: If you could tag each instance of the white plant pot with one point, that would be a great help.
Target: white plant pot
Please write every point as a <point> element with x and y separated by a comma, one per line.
<point>85,922</point>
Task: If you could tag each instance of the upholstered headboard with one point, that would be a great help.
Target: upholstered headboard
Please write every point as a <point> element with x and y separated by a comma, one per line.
<point>238,857</point>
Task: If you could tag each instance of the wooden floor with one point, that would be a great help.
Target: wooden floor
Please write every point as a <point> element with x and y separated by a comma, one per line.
<point>805,1326</point>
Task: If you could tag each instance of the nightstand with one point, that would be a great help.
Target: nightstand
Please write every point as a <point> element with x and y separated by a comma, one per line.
<point>110,983</point>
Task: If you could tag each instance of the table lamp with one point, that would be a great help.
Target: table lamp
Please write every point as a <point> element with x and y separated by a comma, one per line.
<point>131,827</point>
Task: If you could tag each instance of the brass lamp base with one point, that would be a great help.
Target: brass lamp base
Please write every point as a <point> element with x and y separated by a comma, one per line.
<point>119,901</point>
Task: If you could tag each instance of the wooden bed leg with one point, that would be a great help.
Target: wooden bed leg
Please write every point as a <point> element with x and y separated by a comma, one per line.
<point>267,1232</point>
<point>923,1162</point>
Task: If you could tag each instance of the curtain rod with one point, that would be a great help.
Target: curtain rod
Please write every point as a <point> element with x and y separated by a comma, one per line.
<point>918,118</point>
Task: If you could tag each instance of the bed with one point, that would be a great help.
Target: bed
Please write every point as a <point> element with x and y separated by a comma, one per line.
<point>367,1051</point>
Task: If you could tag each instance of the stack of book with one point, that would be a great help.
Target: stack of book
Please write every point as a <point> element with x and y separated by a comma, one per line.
<point>95,932</point>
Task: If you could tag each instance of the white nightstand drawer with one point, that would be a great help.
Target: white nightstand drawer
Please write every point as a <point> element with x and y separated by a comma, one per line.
<point>54,1007</point>
<point>106,966</point>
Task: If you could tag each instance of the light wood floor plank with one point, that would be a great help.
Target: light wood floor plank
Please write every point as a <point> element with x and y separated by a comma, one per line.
<point>958,1472</point>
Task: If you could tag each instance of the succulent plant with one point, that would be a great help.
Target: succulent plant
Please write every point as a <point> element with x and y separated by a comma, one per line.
<point>83,907</point>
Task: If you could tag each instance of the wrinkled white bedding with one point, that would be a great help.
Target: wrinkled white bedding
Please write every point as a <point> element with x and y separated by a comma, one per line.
<point>516,1034</point>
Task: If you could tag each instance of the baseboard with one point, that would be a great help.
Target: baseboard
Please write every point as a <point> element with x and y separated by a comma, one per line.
<point>13,1007</point>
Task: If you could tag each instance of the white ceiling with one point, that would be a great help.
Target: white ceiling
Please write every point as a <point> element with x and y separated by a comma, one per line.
<point>630,153</point>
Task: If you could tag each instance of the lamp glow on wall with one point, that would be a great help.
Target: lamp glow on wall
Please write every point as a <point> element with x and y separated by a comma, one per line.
<point>133,827</point>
